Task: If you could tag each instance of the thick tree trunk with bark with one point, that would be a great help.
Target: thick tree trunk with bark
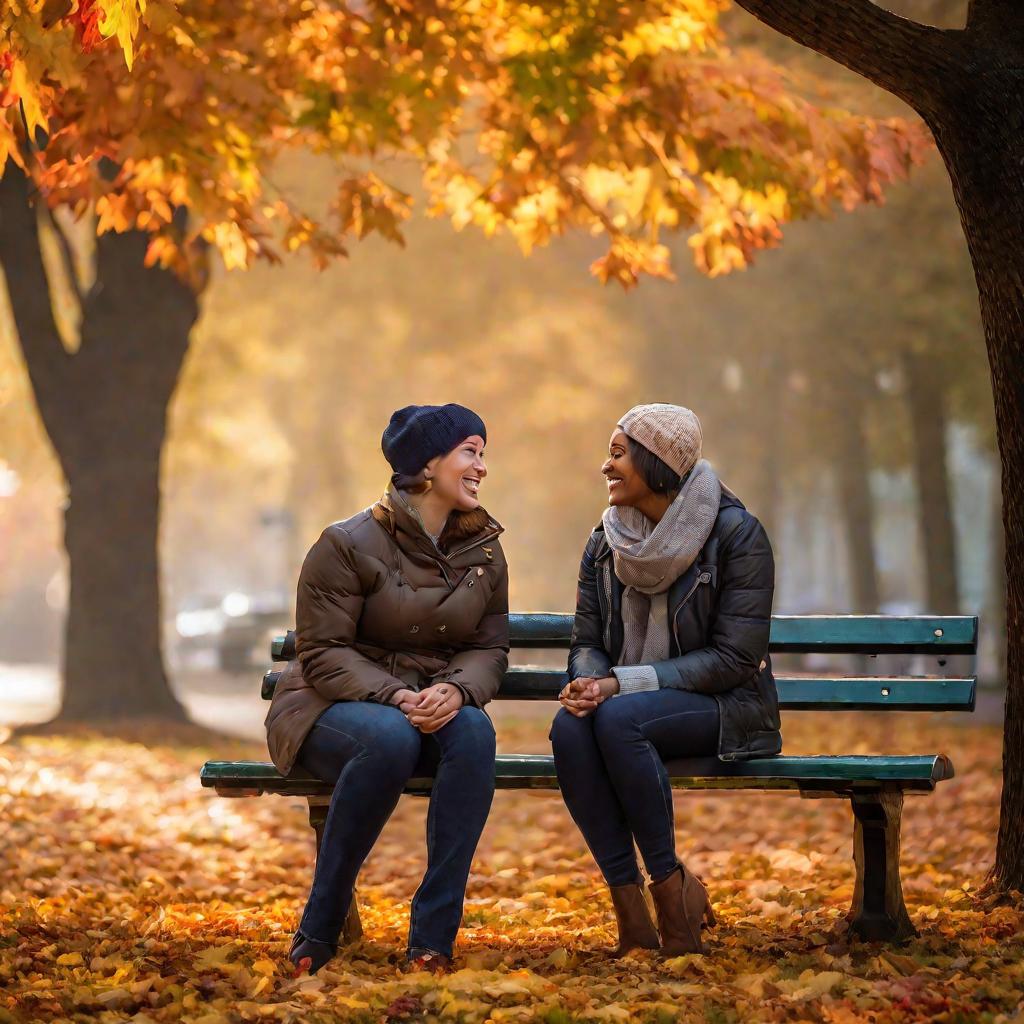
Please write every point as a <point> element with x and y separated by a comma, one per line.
<point>104,407</point>
<point>927,402</point>
<point>982,142</point>
<point>968,85</point>
<point>112,663</point>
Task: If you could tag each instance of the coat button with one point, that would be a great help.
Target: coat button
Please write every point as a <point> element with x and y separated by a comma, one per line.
<point>441,629</point>
<point>415,629</point>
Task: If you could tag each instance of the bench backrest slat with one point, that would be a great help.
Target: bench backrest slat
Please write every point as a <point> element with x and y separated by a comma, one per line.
<point>796,693</point>
<point>797,634</point>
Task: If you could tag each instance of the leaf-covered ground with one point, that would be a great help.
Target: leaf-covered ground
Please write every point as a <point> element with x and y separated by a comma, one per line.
<point>129,893</point>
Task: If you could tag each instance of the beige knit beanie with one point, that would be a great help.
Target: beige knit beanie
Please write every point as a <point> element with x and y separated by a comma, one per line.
<point>672,432</point>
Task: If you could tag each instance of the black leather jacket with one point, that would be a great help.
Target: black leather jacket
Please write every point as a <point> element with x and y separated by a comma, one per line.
<point>720,617</point>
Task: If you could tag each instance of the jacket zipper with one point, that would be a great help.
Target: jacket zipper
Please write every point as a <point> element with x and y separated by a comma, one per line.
<point>721,756</point>
<point>704,577</point>
<point>605,591</point>
<point>440,565</point>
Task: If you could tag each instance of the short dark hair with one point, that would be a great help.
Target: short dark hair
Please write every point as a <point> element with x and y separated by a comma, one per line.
<point>658,475</point>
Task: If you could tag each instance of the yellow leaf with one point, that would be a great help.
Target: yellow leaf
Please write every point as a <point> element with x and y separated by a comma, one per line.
<point>23,87</point>
<point>811,985</point>
<point>121,19</point>
<point>611,1012</point>
<point>213,956</point>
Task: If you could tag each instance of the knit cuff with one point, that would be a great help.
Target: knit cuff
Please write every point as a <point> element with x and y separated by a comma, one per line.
<point>635,678</point>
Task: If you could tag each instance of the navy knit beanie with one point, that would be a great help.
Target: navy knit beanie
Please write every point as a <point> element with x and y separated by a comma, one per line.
<point>419,432</point>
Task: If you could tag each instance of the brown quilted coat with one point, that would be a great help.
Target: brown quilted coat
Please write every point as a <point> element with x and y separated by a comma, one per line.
<point>379,607</point>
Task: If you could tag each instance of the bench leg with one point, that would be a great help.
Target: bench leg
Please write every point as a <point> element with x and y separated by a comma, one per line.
<point>353,927</point>
<point>878,912</point>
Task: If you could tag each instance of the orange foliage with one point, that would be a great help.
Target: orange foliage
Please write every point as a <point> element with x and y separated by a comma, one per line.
<point>624,120</point>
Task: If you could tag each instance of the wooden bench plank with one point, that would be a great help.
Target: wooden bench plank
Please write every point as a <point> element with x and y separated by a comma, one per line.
<point>851,634</point>
<point>839,774</point>
<point>876,693</point>
<point>796,693</point>
<point>875,634</point>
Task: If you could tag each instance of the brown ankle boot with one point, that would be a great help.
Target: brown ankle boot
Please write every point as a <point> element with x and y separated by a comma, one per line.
<point>682,904</point>
<point>633,917</point>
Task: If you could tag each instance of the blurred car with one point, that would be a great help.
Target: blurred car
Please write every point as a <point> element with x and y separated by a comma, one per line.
<point>196,629</point>
<point>251,623</point>
<point>232,632</point>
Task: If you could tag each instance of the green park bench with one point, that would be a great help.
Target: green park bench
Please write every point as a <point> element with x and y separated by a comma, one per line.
<point>874,785</point>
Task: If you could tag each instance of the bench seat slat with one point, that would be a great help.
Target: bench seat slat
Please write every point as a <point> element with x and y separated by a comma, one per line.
<point>851,693</point>
<point>537,771</point>
<point>868,634</point>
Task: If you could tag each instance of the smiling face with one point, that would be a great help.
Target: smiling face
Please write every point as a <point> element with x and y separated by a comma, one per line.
<point>625,484</point>
<point>456,476</point>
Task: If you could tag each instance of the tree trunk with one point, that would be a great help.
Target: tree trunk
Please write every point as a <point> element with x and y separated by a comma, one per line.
<point>104,408</point>
<point>927,401</point>
<point>980,133</point>
<point>996,610</point>
<point>112,662</point>
<point>856,507</point>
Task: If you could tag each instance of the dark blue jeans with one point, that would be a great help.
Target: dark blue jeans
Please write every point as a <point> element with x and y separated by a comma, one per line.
<point>369,751</point>
<point>614,783</point>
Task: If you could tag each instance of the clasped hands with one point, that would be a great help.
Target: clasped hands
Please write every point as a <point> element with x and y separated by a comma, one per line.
<point>431,708</point>
<point>581,696</point>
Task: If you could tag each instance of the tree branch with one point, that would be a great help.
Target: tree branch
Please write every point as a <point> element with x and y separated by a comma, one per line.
<point>66,253</point>
<point>49,363</point>
<point>896,54</point>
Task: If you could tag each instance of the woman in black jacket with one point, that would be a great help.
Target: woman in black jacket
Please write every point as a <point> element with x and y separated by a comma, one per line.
<point>669,659</point>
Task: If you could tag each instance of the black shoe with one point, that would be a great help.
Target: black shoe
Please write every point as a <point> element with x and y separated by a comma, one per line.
<point>309,955</point>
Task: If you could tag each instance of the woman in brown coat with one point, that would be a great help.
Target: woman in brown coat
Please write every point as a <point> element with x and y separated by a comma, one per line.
<point>401,639</point>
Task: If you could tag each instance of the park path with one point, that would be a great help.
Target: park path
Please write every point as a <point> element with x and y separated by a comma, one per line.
<point>229,703</point>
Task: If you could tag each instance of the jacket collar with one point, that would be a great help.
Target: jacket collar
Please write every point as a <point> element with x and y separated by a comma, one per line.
<point>462,530</point>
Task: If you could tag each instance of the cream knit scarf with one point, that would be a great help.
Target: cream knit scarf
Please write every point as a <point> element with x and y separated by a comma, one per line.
<point>649,560</point>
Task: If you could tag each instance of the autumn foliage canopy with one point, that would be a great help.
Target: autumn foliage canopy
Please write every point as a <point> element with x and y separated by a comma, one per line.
<point>621,119</point>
